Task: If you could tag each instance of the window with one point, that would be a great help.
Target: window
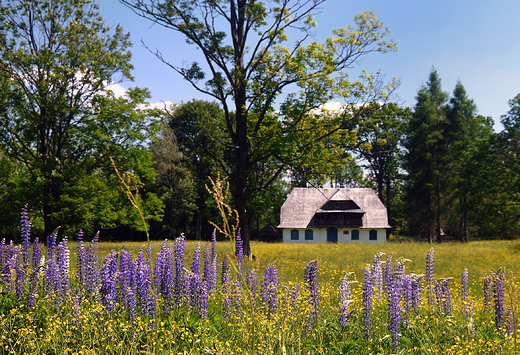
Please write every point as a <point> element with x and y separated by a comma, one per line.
<point>345,232</point>
<point>355,234</point>
<point>294,234</point>
<point>373,234</point>
<point>309,234</point>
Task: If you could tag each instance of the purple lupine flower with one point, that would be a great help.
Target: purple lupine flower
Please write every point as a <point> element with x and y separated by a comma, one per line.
<point>214,244</point>
<point>237,297</point>
<point>469,310</point>
<point>26,235</point>
<point>91,271</point>
<point>5,257</point>
<point>179,269</point>
<point>499,296</point>
<point>445,301</point>
<point>367,303</point>
<point>252,284</point>
<point>269,289</point>
<point>109,278</point>
<point>165,278</point>
<point>33,279</point>
<point>430,279</point>
<point>311,281</point>
<point>487,293</point>
<point>4,272</point>
<point>198,295</point>
<point>130,303</point>
<point>52,280</point>
<point>125,281</point>
<point>226,277</point>
<point>76,312</point>
<point>195,265</point>
<point>417,282</point>
<point>407,291</point>
<point>239,252</point>
<point>464,292</point>
<point>226,290</point>
<point>212,282</point>
<point>207,266</point>
<point>82,261</point>
<point>63,261</point>
<point>387,275</point>
<point>19,269</point>
<point>394,324</point>
<point>345,296</point>
<point>143,283</point>
<point>377,277</point>
<point>36,254</point>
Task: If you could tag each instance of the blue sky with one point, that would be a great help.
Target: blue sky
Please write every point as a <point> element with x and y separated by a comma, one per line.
<point>476,42</point>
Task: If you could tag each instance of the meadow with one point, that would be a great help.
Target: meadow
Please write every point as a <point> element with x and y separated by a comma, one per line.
<point>186,297</point>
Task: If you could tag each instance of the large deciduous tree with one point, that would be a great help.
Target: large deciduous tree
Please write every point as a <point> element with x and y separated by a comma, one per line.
<point>59,119</point>
<point>246,68</point>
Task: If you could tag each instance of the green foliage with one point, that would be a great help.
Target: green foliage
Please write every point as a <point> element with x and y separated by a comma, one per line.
<point>247,68</point>
<point>61,122</point>
<point>174,183</point>
<point>380,131</point>
<point>199,129</point>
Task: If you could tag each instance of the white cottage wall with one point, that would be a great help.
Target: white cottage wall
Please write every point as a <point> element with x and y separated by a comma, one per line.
<point>320,235</point>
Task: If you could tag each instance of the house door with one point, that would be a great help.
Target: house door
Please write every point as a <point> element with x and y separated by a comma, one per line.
<point>332,235</point>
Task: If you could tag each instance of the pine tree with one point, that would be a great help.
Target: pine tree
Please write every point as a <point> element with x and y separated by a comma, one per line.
<point>424,160</point>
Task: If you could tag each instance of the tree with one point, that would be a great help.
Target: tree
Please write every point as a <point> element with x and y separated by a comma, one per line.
<point>380,130</point>
<point>200,128</point>
<point>61,121</point>
<point>247,68</point>
<point>424,158</point>
<point>174,183</point>
<point>463,133</point>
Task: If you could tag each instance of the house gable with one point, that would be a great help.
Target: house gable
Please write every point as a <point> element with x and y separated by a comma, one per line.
<point>346,209</point>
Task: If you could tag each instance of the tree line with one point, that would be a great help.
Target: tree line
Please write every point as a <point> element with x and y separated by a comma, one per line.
<point>83,158</point>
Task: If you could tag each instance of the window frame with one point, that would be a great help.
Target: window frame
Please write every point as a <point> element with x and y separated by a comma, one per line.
<point>354,235</point>
<point>295,234</point>
<point>309,234</point>
<point>372,234</point>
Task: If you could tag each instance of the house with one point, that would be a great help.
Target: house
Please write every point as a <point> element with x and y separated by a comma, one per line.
<point>337,215</point>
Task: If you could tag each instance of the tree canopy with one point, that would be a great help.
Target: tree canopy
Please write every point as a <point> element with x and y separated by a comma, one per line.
<point>61,120</point>
<point>247,68</point>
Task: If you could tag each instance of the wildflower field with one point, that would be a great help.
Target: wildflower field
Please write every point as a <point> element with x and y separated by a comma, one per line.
<point>90,297</point>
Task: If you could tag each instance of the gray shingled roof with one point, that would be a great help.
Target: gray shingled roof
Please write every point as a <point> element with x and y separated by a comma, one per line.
<point>299,210</point>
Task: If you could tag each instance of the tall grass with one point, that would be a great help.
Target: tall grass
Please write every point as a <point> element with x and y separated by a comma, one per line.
<point>304,320</point>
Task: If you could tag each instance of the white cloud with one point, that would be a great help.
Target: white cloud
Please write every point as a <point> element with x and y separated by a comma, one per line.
<point>117,89</point>
<point>163,105</point>
<point>120,91</point>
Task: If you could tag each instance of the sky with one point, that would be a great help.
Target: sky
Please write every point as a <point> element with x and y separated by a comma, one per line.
<point>476,42</point>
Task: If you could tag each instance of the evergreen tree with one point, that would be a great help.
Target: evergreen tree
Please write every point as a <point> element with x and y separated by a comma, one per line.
<point>463,132</point>
<point>424,160</point>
